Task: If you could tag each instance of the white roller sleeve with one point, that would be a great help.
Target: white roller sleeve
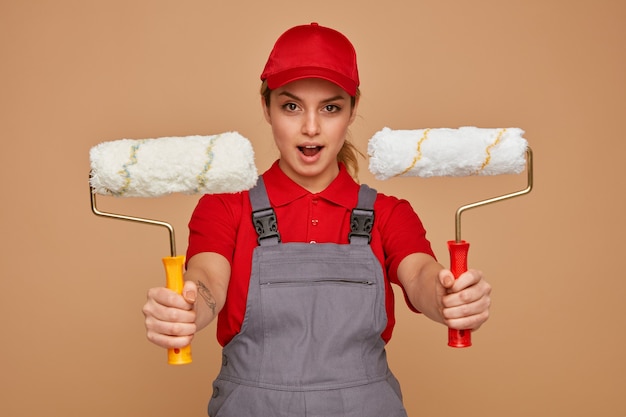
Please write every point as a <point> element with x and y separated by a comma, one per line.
<point>447,152</point>
<point>214,164</point>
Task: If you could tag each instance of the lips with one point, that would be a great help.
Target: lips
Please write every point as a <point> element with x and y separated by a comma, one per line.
<point>310,150</point>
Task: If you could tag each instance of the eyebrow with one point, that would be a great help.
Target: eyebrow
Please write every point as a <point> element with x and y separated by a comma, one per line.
<point>294,97</point>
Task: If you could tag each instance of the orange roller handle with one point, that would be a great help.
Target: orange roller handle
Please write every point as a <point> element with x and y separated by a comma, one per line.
<point>174,281</point>
<point>458,265</point>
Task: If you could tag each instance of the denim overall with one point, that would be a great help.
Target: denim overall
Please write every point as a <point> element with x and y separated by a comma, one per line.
<point>310,343</point>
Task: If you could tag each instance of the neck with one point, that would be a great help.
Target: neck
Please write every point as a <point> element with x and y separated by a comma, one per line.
<point>312,183</point>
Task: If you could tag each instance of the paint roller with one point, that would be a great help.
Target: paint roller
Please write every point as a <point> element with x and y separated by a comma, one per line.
<point>156,167</point>
<point>452,152</point>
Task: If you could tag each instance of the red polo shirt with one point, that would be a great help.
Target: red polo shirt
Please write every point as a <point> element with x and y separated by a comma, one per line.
<point>223,224</point>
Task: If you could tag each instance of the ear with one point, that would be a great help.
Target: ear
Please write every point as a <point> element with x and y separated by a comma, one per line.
<point>266,111</point>
<point>355,108</point>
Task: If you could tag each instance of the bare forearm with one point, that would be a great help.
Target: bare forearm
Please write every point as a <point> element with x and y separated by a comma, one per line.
<point>419,275</point>
<point>210,273</point>
<point>206,304</point>
<point>461,303</point>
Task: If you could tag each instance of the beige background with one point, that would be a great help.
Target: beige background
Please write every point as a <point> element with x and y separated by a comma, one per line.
<point>76,73</point>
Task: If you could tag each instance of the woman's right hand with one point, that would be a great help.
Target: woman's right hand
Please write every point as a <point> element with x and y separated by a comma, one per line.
<point>170,318</point>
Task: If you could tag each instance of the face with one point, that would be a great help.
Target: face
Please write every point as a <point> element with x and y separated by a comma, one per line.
<point>310,120</point>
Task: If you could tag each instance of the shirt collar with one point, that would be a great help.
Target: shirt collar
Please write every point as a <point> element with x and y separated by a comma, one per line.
<point>282,190</point>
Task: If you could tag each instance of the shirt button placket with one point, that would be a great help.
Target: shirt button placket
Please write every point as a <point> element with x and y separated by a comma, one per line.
<point>314,221</point>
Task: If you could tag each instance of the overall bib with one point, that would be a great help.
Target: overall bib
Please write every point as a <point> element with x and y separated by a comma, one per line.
<point>310,343</point>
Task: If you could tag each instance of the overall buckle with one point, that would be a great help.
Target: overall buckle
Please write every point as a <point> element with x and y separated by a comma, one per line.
<point>361,224</point>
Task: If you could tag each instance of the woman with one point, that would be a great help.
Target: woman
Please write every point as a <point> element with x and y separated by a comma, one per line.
<point>299,269</point>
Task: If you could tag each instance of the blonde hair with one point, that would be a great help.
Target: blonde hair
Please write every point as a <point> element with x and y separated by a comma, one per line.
<point>348,154</point>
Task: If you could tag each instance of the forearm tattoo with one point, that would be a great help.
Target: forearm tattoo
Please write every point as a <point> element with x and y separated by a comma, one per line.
<point>205,293</point>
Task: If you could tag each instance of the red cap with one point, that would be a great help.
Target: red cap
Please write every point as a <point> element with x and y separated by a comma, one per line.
<point>312,51</point>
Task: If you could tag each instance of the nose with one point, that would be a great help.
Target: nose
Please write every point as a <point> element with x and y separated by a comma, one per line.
<point>311,124</point>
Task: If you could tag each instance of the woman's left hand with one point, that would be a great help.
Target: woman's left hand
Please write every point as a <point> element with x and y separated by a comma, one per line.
<point>463,302</point>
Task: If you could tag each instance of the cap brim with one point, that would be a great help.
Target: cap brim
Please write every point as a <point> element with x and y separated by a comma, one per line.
<point>280,79</point>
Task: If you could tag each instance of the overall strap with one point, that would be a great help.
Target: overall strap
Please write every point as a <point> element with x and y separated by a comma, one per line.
<point>266,226</point>
<point>362,218</point>
<point>263,215</point>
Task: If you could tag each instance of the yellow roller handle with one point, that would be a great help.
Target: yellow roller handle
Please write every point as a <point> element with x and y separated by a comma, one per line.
<point>174,281</point>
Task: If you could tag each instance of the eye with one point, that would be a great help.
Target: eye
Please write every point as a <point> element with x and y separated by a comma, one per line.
<point>290,106</point>
<point>331,108</point>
